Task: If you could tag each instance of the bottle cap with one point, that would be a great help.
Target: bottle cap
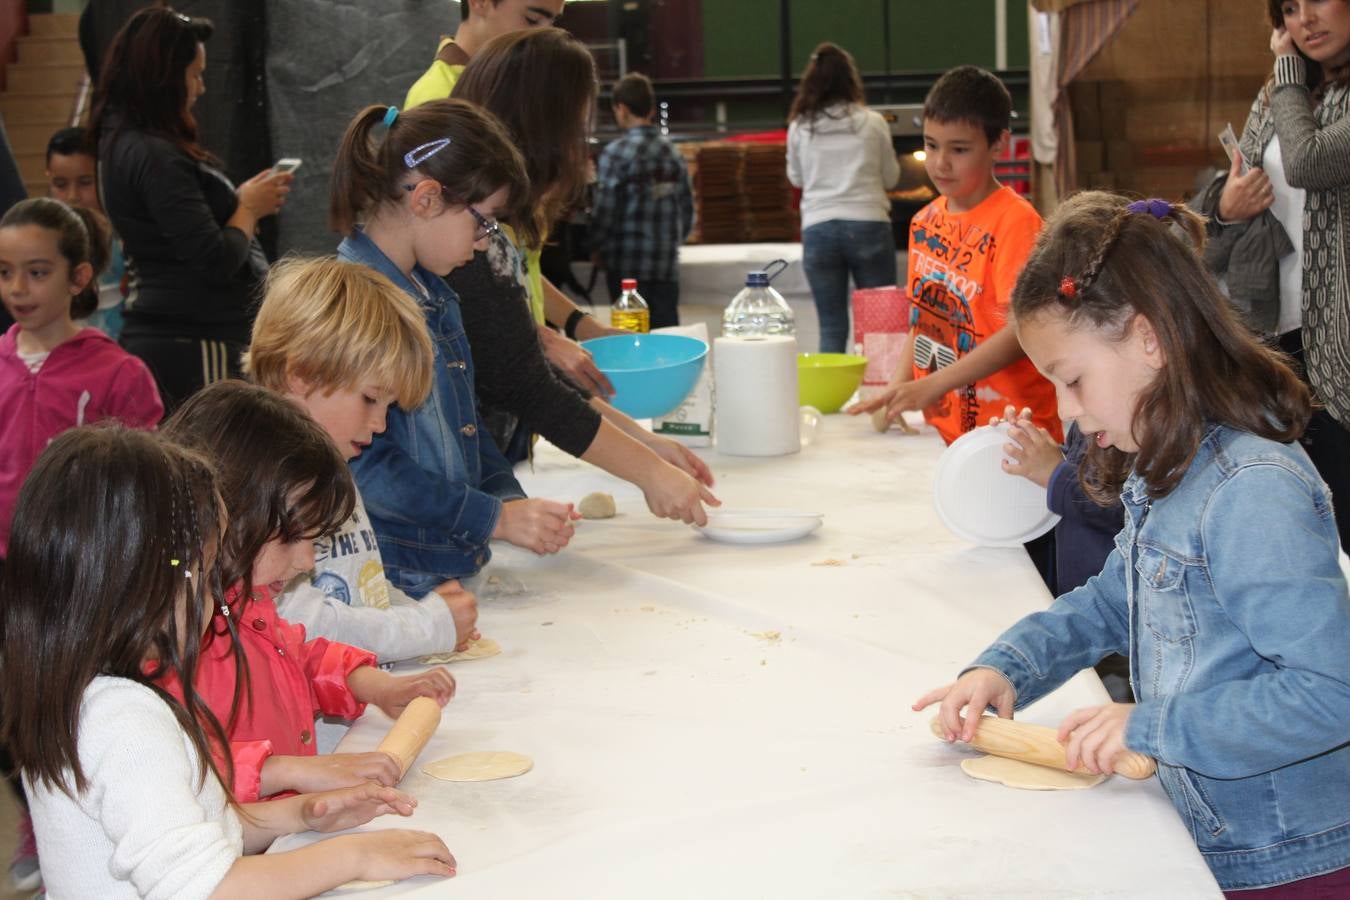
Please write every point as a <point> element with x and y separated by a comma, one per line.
<point>757,279</point>
<point>628,284</point>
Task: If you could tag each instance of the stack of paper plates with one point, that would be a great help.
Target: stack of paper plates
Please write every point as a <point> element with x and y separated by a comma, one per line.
<point>979,501</point>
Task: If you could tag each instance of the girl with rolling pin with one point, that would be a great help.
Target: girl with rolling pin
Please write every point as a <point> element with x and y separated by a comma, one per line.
<point>126,798</point>
<point>1224,589</point>
<point>285,484</point>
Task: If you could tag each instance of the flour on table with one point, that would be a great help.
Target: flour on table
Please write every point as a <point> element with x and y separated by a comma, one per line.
<point>1027,776</point>
<point>485,765</point>
<point>479,649</point>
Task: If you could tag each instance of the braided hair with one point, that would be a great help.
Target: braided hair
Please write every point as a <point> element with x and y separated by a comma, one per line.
<point>1100,262</point>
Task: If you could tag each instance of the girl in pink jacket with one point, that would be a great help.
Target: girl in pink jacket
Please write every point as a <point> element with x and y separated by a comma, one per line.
<point>54,374</point>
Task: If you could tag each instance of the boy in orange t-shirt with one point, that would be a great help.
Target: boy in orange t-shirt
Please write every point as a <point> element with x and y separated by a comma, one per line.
<point>962,363</point>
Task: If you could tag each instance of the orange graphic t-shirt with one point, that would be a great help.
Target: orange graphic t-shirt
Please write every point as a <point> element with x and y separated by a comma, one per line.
<point>962,268</point>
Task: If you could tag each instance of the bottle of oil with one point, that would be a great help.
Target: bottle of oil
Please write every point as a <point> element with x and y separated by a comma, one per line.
<point>630,311</point>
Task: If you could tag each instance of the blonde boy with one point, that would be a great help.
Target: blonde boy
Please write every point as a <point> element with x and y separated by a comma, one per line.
<point>343,342</point>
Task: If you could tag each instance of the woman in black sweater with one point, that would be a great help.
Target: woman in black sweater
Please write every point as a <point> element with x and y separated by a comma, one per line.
<point>188,233</point>
<point>541,84</point>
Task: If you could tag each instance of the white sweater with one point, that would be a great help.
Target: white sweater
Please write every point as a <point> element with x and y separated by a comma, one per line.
<point>145,826</point>
<point>844,162</point>
<point>351,601</point>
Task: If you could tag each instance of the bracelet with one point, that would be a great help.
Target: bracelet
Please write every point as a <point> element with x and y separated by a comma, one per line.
<point>570,329</point>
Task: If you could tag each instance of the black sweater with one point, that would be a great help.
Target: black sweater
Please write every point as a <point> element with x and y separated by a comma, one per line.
<point>192,276</point>
<point>510,370</point>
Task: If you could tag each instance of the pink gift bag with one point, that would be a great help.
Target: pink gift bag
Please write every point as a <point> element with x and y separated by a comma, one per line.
<point>880,326</point>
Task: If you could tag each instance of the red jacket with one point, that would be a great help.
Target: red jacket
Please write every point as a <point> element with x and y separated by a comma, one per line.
<point>291,681</point>
<point>84,380</point>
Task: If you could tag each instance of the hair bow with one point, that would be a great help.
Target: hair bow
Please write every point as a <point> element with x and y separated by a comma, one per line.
<point>1158,209</point>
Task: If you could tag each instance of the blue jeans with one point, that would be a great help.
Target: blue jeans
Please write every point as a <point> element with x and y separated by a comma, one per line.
<point>831,252</point>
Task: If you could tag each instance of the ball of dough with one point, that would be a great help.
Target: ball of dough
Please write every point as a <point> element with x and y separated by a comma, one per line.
<point>598,505</point>
<point>879,420</point>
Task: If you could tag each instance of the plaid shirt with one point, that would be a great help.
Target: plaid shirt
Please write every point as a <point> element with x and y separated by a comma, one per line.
<point>643,207</point>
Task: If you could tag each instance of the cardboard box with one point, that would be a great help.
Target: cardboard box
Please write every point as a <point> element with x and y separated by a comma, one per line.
<point>1086,107</point>
<point>1091,156</point>
<point>1119,156</point>
<point>1114,106</point>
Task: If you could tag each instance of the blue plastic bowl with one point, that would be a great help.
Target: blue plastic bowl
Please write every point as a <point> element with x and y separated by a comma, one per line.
<point>651,373</point>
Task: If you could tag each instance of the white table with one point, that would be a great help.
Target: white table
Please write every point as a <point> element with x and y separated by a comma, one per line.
<point>681,752</point>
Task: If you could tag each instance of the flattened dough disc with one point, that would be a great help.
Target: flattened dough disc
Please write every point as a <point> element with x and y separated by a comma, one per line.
<point>1027,776</point>
<point>479,649</point>
<point>485,765</point>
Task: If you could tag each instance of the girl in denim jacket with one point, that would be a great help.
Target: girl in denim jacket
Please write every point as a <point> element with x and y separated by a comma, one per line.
<point>1224,588</point>
<point>427,186</point>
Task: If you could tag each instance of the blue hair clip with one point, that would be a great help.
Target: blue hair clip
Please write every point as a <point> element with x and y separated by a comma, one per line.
<point>420,154</point>
<point>390,115</point>
<point>1158,209</point>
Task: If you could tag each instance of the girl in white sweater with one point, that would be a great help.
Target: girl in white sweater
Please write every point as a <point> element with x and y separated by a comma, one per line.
<point>110,582</point>
<point>839,153</point>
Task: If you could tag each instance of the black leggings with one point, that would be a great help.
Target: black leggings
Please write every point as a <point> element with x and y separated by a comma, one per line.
<point>182,366</point>
<point>1328,444</point>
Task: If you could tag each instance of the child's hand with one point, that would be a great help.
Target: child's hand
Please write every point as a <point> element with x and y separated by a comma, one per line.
<point>463,606</point>
<point>331,771</point>
<point>673,494</point>
<point>349,807</point>
<point>1095,736</point>
<point>1034,453</point>
<point>544,526</point>
<point>973,691</point>
<point>400,690</point>
<point>1010,414</point>
<point>399,854</point>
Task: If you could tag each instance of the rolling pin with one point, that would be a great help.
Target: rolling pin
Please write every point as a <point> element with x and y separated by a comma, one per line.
<point>415,726</point>
<point>1040,745</point>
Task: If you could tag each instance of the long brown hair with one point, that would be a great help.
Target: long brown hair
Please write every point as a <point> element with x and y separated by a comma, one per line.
<point>82,236</point>
<point>371,166</point>
<point>541,84</point>
<point>1122,263</point>
<point>831,78</point>
<point>279,472</point>
<point>144,78</point>
<point>108,565</point>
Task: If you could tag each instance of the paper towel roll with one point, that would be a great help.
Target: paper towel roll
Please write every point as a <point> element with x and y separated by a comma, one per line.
<point>755,395</point>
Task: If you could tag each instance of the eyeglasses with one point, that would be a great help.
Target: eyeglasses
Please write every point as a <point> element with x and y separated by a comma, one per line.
<point>487,226</point>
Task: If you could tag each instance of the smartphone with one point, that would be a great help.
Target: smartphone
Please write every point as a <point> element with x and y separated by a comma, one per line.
<point>1230,146</point>
<point>286,166</point>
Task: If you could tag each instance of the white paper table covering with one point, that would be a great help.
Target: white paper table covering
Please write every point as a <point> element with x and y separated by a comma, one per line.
<point>679,753</point>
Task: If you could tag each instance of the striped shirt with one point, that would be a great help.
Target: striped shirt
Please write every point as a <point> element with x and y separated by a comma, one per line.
<point>644,206</point>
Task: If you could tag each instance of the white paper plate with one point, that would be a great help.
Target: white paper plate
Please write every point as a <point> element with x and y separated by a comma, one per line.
<point>760,526</point>
<point>979,501</point>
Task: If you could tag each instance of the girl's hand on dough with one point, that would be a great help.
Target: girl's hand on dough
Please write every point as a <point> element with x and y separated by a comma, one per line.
<point>1095,736</point>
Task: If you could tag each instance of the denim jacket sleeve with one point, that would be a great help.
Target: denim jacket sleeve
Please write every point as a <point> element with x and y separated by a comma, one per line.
<point>498,479</point>
<point>1270,548</point>
<point>1046,649</point>
<point>395,488</point>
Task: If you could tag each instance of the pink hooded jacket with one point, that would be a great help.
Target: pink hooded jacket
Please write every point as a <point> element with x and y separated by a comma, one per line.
<point>86,379</point>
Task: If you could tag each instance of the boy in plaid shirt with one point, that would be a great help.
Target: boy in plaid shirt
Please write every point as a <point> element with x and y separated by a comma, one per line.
<point>644,204</point>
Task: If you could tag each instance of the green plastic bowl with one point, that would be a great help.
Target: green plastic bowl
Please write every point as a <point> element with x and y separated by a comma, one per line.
<point>827,380</point>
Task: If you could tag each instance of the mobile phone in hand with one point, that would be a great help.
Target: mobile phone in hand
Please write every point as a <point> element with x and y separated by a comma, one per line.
<point>1230,146</point>
<point>286,165</point>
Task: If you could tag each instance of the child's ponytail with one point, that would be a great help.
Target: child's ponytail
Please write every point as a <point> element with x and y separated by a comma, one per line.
<point>358,173</point>
<point>83,304</point>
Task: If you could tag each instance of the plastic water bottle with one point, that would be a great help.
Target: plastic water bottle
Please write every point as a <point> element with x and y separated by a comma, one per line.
<point>630,311</point>
<point>758,309</point>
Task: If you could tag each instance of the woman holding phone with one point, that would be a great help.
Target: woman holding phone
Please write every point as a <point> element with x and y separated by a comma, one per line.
<point>187,231</point>
<point>1298,146</point>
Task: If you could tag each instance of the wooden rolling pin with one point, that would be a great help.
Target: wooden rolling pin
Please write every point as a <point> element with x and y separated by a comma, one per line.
<point>415,726</point>
<point>1040,745</point>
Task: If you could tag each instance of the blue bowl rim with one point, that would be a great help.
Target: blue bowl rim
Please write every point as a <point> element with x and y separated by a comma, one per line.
<point>624,337</point>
